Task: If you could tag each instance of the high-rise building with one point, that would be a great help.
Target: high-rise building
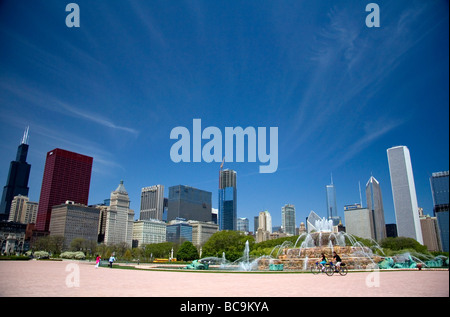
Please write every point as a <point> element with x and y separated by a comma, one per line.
<point>440,191</point>
<point>264,226</point>
<point>375,205</point>
<point>189,203</point>
<point>227,200</point>
<point>67,176</point>
<point>331,204</point>
<point>178,231</point>
<point>152,202</point>
<point>404,193</point>
<point>202,231</point>
<point>23,210</point>
<point>359,221</point>
<point>17,181</point>
<point>119,218</point>
<point>73,221</point>
<point>243,224</point>
<point>288,219</point>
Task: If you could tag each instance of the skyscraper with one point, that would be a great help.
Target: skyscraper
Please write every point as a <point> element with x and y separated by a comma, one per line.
<point>440,190</point>
<point>152,202</point>
<point>189,203</point>
<point>17,181</point>
<point>67,176</point>
<point>119,218</point>
<point>331,203</point>
<point>227,200</point>
<point>404,193</point>
<point>375,205</point>
<point>288,219</point>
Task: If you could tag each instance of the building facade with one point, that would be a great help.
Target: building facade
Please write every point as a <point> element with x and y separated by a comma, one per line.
<point>264,227</point>
<point>288,219</point>
<point>149,231</point>
<point>439,182</point>
<point>17,181</point>
<point>73,221</point>
<point>189,203</point>
<point>375,205</point>
<point>202,231</point>
<point>359,221</point>
<point>243,224</point>
<point>152,203</point>
<point>227,200</point>
<point>332,211</point>
<point>23,210</point>
<point>119,218</point>
<point>404,193</point>
<point>67,176</point>
<point>178,231</point>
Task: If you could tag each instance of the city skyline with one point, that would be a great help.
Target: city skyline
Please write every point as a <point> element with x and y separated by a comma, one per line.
<point>339,92</point>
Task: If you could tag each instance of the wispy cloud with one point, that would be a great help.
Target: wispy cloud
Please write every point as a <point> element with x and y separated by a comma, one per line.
<point>351,63</point>
<point>52,103</point>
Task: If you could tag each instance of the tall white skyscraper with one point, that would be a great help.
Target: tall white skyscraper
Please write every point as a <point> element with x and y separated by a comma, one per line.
<point>152,202</point>
<point>119,218</point>
<point>404,193</point>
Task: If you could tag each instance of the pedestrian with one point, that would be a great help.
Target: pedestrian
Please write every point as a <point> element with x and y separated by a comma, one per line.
<point>111,260</point>
<point>97,261</point>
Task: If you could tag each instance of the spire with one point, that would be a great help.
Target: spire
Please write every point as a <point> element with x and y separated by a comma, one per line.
<point>331,178</point>
<point>121,188</point>
<point>25,136</point>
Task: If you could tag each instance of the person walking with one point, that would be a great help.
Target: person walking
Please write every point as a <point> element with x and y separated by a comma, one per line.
<point>97,261</point>
<point>111,260</point>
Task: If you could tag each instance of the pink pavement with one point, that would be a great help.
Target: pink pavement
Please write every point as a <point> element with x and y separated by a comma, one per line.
<point>78,278</point>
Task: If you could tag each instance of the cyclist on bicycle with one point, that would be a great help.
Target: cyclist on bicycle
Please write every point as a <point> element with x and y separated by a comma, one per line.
<point>323,261</point>
<point>338,260</point>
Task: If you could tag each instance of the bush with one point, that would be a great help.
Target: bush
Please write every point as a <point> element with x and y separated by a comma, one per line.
<point>41,254</point>
<point>73,255</point>
<point>402,243</point>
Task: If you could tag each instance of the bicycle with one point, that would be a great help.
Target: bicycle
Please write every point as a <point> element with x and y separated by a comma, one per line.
<point>318,268</point>
<point>342,269</point>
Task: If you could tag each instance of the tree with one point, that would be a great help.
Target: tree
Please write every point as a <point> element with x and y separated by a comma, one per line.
<point>401,243</point>
<point>187,252</point>
<point>228,241</point>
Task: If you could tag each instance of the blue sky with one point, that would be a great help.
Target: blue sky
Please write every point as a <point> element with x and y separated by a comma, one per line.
<point>339,92</point>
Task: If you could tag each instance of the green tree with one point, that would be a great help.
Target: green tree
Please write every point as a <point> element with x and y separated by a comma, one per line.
<point>228,241</point>
<point>187,252</point>
<point>401,243</point>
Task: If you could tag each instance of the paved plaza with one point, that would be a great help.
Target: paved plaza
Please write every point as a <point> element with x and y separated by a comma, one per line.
<point>74,279</point>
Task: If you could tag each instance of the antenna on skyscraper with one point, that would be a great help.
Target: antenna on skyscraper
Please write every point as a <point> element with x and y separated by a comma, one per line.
<point>360,196</point>
<point>220,172</point>
<point>25,136</point>
<point>331,178</point>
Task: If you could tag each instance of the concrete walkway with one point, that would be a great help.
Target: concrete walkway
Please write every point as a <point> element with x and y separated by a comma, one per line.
<point>74,279</point>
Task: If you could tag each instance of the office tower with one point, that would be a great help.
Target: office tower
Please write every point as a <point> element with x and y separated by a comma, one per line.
<point>440,191</point>
<point>67,176</point>
<point>331,203</point>
<point>17,181</point>
<point>243,225</point>
<point>227,200</point>
<point>288,219</point>
<point>264,226</point>
<point>189,203</point>
<point>23,210</point>
<point>359,221</point>
<point>73,221</point>
<point>404,193</point>
<point>430,231</point>
<point>375,205</point>
<point>152,202</point>
<point>119,218</point>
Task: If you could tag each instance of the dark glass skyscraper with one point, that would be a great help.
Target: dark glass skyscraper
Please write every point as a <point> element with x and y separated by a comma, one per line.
<point>17,182</point>
<point>331,204</point>
<point>189,203</point>
<point>375,205</point>
<point>67,176</point>
<point>227,200</point>
<point>440,190</point>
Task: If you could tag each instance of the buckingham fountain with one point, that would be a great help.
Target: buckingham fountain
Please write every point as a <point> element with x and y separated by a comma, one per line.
<point>308,249</point>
